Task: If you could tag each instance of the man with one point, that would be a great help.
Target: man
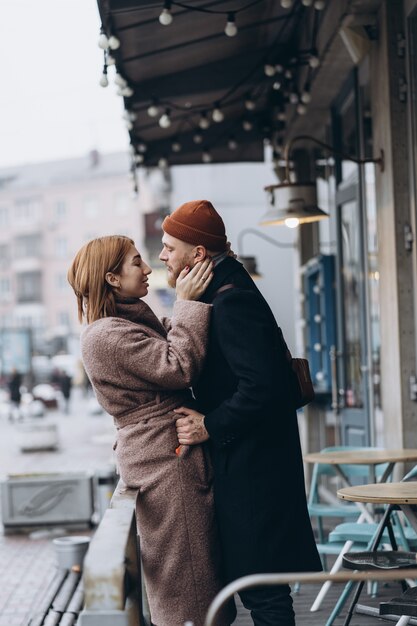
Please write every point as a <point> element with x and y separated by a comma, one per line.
<point>247,414</point>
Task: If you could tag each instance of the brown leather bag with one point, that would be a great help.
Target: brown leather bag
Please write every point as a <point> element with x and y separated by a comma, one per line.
<point>303,389</point>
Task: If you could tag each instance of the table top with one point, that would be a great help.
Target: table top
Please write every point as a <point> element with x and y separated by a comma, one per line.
<point>362,456</point>
<point>381,493</point>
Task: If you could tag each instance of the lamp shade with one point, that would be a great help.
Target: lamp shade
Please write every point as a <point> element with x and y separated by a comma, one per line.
<point>293,204</point>
<point>249,263</point>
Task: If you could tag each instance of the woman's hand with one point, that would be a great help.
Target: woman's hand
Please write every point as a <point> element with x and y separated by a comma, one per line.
<point>191,284</point>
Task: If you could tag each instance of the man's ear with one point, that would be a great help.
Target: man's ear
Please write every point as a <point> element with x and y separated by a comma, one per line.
<point>199,253</point>
<point>112,280</point>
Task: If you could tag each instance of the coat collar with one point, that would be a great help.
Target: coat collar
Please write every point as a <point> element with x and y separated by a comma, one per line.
<point>222,273</point>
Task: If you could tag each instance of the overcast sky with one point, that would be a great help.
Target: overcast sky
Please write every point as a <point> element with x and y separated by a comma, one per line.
<point>51,105</point>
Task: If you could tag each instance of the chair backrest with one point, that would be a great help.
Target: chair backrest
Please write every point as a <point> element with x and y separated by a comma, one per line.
<point>353,472</point>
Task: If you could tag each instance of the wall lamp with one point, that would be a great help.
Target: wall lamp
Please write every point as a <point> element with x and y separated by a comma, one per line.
<point>296,203</point>
<point>249,262</point>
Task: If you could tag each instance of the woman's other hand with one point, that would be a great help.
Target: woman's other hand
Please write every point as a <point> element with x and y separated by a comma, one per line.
<point>192,283</point>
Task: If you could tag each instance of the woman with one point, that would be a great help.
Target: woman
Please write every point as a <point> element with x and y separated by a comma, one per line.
<point>141,369</point>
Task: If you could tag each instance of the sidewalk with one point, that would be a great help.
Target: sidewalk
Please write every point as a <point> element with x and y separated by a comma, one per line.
<point>27,562</point>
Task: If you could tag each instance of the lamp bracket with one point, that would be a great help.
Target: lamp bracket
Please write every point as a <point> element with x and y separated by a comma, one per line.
<point>288,147</point>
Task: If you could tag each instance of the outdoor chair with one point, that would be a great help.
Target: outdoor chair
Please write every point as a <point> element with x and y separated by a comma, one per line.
<point>320,509</point>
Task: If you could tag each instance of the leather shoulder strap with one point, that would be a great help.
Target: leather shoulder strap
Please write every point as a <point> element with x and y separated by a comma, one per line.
<point>223,288</point>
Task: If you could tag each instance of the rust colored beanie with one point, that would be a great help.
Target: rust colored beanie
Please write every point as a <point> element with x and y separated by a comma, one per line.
<point>197,222</point>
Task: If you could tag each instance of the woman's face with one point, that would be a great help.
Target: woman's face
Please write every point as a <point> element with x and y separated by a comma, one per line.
<point>133,277</point>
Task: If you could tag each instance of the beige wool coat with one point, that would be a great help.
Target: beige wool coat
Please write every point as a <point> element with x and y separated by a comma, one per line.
<point>141,369</point>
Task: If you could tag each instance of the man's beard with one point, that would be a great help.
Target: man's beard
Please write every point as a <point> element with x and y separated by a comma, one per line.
<point>173,275</point>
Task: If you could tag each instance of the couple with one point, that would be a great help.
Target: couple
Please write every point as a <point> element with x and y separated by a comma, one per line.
<point>236,436</point>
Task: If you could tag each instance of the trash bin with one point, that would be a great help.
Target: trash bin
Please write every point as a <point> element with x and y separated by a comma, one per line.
<point>70,550</point>
<point>105,481</point>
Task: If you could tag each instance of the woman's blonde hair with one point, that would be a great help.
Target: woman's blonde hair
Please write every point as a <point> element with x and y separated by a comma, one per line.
<point>87,275</point>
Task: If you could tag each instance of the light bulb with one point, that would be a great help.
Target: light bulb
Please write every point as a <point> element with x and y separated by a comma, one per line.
<point>119,80</point>
<point>293,97</point>
<point>231,28</point>
<point>281,117</point>
<point>110,60</point>
<point>139,158</point>
<point>204,122</point>
<point>232,144</point>
<point>153,110</point>
<point>114,43</point>
<point>286,4</point>
<point>166,17</point>
<point>269,70</point>
<point>301,108</point>
<point>306,97</point>
<point>163,163</point>
<point>314,61</point>
<point>142,147</point>
<point>103,42</point>
<point>247,125</point>
<point>127,91</point>
<point>250,104</point>
<point>288,74</point>
<point>217,115</point>
<point>206,157</point>
<point>129,125</point>
<point>319,5</point>
<point>307,3</point>
<point>176,146</point>
<point>198,138</point>
<point>165,120</point>
<point>104,81</point>
<point>276,86</point>
<point>292,222</point>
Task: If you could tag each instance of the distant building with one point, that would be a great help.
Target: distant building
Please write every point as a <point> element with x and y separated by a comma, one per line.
<point>47,212</point>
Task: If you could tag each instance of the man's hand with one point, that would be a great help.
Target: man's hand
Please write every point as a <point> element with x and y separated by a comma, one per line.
<point>190,427</point>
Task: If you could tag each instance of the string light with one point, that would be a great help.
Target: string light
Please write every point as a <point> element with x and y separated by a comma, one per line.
<point>153,108</point>
<point>301,108</point>
<point>286,4</point>
<point>119,80</point>
<point>127,91</point>
<point>269,70</point>
<point>110,60</point>
<point>230,28</point>
<point>114,43</point>
<point>319,5</point>
<point>163,163</point>
<point>166,16</point>
<point>104,81</point>
<point>217,115</point>
<point>103,42</point>
<point>206,156</point>
<point>139,159</point>
<point>288,74</point>
<point>165,120</point>
<point>276,85</point>
<point>142,147</point>
<point>279,68</point>
<point>198,138</point>
<point>306,96</point>
<point>314,60</point>
<point>247,125</point>
<point>250,104</point>
<point>204,121</point>
<point>176,146</point>
<point>232,143</point>
<point>293,97</point>
<point>307,3</point>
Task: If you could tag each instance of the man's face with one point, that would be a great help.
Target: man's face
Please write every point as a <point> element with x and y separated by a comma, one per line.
<point>176,254</point>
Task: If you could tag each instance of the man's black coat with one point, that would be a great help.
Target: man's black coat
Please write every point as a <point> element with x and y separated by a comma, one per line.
<point>244,394</point>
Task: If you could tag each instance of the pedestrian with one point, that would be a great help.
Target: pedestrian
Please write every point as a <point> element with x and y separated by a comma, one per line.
<point>65,383</point>
<point>141,369</point>
<point>14,384</point>
<point>247,414</point>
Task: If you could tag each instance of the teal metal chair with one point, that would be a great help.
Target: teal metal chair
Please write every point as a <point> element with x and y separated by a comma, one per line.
<point>320,510</point>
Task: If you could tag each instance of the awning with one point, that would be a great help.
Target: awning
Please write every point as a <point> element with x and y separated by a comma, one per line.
<point>189,73</point>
